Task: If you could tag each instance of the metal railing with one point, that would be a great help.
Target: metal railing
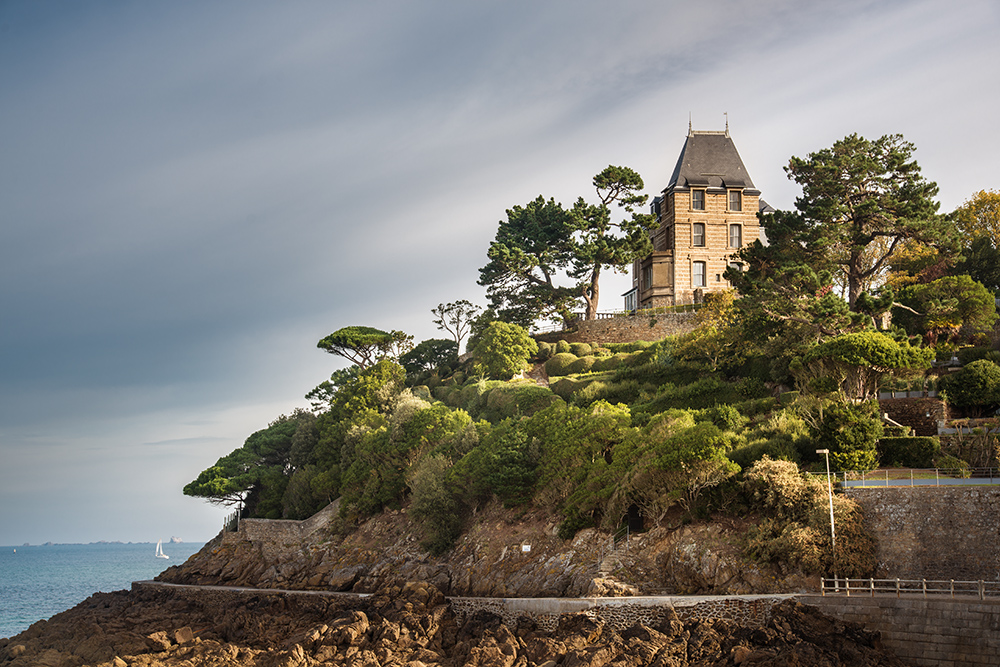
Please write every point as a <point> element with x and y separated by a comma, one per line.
<point>884,477</point>
<point>899,587</point>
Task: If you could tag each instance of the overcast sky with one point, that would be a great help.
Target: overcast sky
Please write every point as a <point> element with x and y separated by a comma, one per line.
<point>192,194</point>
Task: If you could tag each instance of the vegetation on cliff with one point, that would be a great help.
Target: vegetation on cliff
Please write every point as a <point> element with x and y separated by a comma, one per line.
<point>657,433</point>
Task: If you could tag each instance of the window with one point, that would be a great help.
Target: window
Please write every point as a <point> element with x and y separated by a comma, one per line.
<point>698,235</point>
<point>698,200</point>
<point>735,266</point>
<point>735,200</point>
<point>698,274</point>
<point>647,276</point>
<point>735,236</point>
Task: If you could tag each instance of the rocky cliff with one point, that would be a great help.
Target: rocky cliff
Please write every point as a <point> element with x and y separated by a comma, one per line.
<point>505,554</point>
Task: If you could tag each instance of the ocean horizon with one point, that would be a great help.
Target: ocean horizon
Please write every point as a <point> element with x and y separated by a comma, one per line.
<point>39,581</point>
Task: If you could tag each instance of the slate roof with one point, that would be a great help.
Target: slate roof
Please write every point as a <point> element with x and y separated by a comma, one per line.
<point>709,160</point>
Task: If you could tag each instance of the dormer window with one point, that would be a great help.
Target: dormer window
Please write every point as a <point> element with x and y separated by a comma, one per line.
<point>735,200</point>
<point>697,200</point>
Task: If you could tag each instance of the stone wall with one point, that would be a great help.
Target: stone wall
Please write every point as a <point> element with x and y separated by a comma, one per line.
<point>939,632</point>
<point>625,329</point>
<point>623,612</point>
<point>934,532</point>
<point>921,414</point>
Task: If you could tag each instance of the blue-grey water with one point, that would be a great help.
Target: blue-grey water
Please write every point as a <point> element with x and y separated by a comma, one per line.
<point>37,582</point>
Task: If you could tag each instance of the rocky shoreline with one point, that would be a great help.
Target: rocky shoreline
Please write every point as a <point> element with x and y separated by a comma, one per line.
<point>410,625</point>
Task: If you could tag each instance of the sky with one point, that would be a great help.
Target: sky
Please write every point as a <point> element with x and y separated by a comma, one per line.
<point>193,194</point>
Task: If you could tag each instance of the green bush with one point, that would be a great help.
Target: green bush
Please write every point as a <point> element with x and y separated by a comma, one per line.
<point>967,355</point>
<point>850,431</point>
<point>562,347</point>
<point>560,364</point>
<point>912,452</point>
<point>503,350</point>
<point>975,388</point>
<point>566,387</point>
<point>517,399</point>
<point>581,349</point>
<point>582,365</point>
<point>545,350</point>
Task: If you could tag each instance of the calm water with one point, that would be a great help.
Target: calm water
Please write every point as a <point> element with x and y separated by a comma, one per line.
<point>37,582</point>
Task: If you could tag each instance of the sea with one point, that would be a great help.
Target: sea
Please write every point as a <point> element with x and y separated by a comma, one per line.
<point>37,582</point>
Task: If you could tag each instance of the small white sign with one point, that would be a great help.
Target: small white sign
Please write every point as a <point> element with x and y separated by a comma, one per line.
<point>525,548</point>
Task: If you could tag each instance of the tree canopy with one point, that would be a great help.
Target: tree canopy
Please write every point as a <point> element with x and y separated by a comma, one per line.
<point>456,318</point>
<point>540,241</point>
<point>860,200</point>
<point>366,345</point>
<point>979,216</point>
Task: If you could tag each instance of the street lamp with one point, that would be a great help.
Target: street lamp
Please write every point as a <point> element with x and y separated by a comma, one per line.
<point>833,532</point>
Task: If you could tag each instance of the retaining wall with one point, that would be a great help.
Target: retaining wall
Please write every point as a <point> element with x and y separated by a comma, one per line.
<point>928,532</point>
<point>938,632</point>
<point>622,613</point>
<point>625,329</point>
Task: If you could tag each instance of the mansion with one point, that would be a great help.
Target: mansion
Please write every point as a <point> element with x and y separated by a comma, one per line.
<point>707,212</point>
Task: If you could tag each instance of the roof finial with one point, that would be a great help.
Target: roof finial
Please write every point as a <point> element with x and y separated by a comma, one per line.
<point>726,114</point>
<point>690,129</point>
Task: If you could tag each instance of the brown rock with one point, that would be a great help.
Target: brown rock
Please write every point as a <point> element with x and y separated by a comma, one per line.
<point>158,641</point>
<point>183,635</point>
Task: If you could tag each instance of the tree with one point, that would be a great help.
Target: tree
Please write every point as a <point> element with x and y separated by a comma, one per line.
<point>531,247</point>
<point>539,241</point>
<point>716,336</point>
<point>596,246</point>
<point>942,309</point>
<point>979,216</point>
<point>981,261</point>
<point>975,387</point>
<point>859,192</point>
<point>456,318</point>
<point>429,355</point>
<point>855,363</point>
<point>366,345</point>
<point>503,350</point>
<point>256,474</point>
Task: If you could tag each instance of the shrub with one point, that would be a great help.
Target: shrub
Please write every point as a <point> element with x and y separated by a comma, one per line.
<point>975,387</point>
<point>850,431</point>
<point>503,350</point>
<point>545,350</point>
<point>559,364</point>
<point>517,399</point>
<point>581,349</point>
<point>562,347</point>
<point>566,387</point>
<point>794,527</point>
<point>582,365</point>
<point>433,504</point>
<point>912,452</point>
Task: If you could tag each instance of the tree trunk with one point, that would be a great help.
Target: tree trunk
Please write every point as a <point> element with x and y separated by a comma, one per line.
<point>592,293</point>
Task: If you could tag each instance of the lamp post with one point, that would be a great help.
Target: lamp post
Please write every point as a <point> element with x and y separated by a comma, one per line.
<point>833,532</point>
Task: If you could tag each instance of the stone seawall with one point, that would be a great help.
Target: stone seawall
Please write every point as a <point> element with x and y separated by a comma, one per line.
<point>624,612</point>
<point>938,632</point>
<point>927,532</point>
<point>625,329</point>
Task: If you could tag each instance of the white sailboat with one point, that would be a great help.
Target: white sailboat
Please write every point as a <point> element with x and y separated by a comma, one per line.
<point>159,550</point>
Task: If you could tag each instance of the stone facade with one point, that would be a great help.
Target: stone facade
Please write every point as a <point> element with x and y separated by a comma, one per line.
<point>926,532</point>
<point>706,213</point>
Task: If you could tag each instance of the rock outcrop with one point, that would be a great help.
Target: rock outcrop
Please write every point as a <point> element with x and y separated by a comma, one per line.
<point>503,555</point>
